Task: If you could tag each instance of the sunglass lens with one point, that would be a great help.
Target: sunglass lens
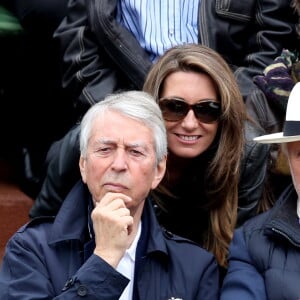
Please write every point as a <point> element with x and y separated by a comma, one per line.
<point>173,110</point>
<point>207,112</point>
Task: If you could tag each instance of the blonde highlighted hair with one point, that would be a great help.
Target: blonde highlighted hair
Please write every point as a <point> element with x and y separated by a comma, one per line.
<point>224,171</point>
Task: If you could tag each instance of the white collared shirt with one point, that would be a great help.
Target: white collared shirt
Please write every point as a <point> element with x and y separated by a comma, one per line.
<point>127,264</point>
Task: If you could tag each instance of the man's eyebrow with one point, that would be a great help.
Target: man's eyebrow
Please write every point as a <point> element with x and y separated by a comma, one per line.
<point>135,144</point>
<point>104,140</point>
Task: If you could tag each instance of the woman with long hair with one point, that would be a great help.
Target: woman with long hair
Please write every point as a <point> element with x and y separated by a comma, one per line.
<point>215,172</point>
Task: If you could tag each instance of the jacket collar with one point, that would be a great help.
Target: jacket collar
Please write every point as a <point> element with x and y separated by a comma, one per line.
<point>283,217</point>
<point>71,222</point>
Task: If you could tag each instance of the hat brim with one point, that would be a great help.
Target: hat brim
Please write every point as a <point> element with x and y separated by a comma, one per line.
<point>276,138</point>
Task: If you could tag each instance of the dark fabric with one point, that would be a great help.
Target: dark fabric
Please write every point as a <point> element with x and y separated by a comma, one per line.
<point>62,174</point>
<point>291,128</point>
<point>92,67</point>
<point>267,105</point>
<point>35,110</point>
<point>99,56</point>
<point>248,34</point>
<point>264,256</point>
<point>53,251</point>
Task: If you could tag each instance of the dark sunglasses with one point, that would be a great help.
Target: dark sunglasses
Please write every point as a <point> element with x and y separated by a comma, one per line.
<point>175,109</point>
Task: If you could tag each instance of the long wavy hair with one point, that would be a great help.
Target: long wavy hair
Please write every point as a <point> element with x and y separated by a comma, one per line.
<point>224,169</point>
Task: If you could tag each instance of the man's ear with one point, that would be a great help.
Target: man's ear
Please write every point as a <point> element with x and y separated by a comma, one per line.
<point>159,172</point>
<point>82,163</point>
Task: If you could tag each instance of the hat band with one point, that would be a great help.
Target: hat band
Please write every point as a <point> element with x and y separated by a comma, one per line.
<point>291,128</point>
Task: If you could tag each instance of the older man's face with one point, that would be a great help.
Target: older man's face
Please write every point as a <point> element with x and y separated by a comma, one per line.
<point>121,158</point>
<point>293,150</point>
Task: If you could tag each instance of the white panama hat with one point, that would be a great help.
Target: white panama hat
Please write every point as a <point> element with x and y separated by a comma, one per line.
<point>291,128</point>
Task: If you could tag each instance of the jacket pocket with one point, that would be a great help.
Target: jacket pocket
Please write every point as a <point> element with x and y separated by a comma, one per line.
<point>237,10</point>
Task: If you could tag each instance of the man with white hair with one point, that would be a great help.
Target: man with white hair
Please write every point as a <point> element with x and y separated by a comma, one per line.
<point>105,242</point>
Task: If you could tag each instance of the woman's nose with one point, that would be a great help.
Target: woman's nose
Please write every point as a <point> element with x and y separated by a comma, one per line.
<point>190,121</point>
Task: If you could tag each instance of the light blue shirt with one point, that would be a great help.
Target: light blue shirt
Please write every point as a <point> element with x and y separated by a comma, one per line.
<point>160,24</point>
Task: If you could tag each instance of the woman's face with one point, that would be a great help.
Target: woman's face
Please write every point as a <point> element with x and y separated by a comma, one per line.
<point>189,137</point>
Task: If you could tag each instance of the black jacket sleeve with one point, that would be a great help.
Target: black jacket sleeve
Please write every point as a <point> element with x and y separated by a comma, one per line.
<point>249,34</point>
<point>62,174</point>
<point>99,56</point>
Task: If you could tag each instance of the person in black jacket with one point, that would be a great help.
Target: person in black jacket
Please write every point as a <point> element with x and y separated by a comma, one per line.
<point>264,255</point>
<point>111,45</point>
<point>268,101</point>
<point>105,242</point>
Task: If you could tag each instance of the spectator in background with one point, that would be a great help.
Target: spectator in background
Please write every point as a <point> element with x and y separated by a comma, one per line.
<point>267,105</point>
<point>264,255</point>
<point>41,17</point>
<point>105,242</point>
<point>111,45</point>
<point>34,86</point>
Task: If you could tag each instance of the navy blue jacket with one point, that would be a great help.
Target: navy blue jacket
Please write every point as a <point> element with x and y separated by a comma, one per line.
<point>53,259</point>
<point>264,260</point>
